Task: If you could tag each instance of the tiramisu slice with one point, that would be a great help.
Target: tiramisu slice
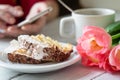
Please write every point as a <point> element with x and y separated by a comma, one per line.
<point>37,49</point>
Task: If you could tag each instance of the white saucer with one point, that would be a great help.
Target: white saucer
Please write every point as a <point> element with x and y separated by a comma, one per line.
<point>40,68</point>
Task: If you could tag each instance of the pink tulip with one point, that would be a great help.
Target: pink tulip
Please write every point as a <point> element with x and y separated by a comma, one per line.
<point>114,58</point>
<point>106,65</point>
<point>94,45</point>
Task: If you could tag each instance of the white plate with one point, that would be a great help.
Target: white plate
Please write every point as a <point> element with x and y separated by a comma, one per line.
<point>40,68</point>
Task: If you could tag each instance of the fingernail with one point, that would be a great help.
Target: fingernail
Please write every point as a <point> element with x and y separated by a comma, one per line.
<point>23,28</point>
<point>9,29</point>
<point>19,13</point>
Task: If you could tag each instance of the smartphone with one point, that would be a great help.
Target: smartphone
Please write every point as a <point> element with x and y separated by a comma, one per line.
<point>34,18</point>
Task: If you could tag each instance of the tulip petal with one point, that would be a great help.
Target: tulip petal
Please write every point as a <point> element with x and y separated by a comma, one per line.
<point>114,57</point>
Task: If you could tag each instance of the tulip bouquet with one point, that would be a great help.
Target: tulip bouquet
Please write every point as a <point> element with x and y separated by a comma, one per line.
<point>95,48</point>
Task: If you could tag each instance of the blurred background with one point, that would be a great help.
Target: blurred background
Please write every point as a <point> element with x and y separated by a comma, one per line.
<point>113,4</point>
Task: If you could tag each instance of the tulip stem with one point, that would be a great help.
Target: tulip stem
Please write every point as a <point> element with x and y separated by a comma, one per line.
<point>116,36</point>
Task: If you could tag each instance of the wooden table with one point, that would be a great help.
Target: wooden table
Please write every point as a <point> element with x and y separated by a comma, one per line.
<point>74,72</point>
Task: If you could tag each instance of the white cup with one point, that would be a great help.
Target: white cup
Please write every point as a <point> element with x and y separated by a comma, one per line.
<point>71,27</point>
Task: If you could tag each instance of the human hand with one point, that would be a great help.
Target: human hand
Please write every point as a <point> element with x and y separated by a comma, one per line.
<point>7,16</point>
<point>32,28</point>
<point>35,27</point>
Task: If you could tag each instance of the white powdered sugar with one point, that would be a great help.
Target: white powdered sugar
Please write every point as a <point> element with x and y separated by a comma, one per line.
<point>34,48</point>
<point>14,45</point>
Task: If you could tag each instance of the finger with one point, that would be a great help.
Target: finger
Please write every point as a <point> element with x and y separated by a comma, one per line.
<point>8,18</point>
<point>14,31</point>
<point>3,31</point>
<point>2,35</point>
<point>40,6</point>
<point>19,11</point>
<point>15,11</point>
<point>35,27</point>
<point>2,24</point>
<point>3,27</point>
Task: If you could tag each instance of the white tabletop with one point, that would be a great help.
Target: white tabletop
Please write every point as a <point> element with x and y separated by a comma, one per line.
<point>74,72</point>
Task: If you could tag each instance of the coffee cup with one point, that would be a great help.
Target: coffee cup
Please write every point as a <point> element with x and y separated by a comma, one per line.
<point>72,26</point>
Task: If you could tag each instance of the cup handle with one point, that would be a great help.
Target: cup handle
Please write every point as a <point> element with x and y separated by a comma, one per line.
<point>67,27</point>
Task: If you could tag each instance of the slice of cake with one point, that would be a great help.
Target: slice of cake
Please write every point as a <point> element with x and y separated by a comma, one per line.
<point>37,49</point>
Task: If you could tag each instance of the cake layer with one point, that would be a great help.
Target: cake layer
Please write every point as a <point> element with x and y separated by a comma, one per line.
<point>37,49</point>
